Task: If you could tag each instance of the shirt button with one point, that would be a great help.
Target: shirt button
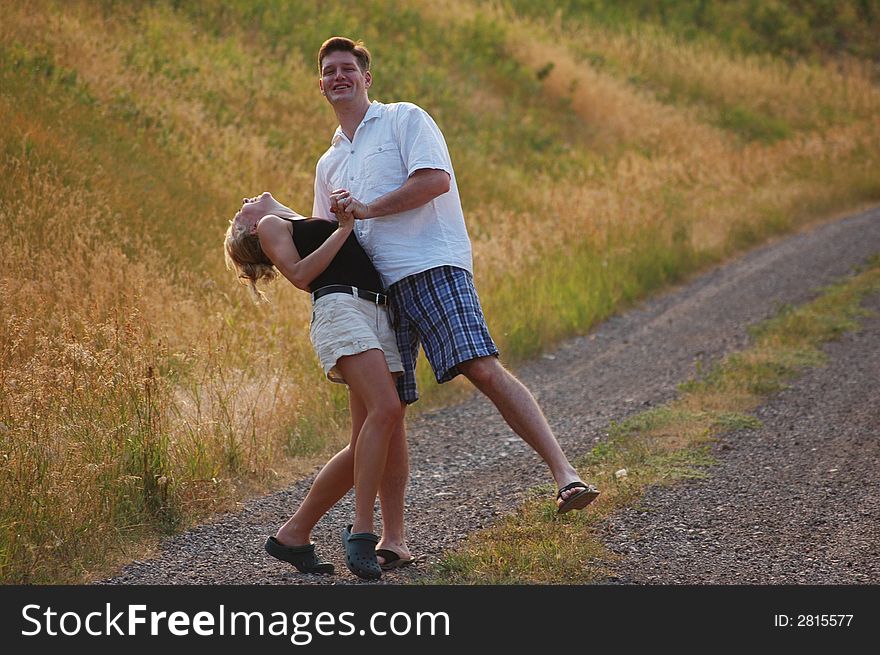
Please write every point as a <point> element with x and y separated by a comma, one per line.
<point>380,148</point>
<point>352,152</point>
<point>351,178</point>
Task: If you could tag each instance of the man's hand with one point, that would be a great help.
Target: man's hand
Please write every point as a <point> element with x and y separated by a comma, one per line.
<point>341,200</point>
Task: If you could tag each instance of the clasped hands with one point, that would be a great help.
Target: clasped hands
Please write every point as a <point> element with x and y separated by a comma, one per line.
<point>342,202</point>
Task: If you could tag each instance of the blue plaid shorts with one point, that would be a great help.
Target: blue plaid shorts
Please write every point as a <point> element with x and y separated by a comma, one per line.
<point>439,310</point>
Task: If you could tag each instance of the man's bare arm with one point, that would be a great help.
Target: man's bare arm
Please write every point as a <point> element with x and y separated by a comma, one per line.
<point>419,189</point>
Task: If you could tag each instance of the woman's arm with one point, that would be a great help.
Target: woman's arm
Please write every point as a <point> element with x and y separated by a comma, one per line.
<point>276,242</point>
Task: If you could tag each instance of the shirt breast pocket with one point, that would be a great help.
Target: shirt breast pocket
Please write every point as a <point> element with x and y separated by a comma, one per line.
<point>383,166</point>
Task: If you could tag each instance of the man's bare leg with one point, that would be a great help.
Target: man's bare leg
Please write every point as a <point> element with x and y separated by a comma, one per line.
<point>391,494</point>
<point>522,413</point>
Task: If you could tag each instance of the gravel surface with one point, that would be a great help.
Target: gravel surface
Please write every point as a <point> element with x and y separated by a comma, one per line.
<point>793,502</point>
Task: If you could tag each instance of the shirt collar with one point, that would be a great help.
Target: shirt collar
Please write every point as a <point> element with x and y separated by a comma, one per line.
<point>375,110</point>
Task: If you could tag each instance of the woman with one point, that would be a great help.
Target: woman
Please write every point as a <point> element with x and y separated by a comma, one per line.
<point>353,338</point>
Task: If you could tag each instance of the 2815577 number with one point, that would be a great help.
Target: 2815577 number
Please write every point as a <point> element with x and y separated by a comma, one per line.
<point>812,620</point>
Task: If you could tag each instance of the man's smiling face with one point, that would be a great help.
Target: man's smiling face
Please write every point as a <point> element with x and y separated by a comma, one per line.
<point>342,81</point>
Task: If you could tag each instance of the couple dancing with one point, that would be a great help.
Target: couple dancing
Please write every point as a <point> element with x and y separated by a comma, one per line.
<point>386,239</point>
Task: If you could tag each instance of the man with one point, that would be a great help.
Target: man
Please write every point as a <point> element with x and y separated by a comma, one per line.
<point>388,166</point>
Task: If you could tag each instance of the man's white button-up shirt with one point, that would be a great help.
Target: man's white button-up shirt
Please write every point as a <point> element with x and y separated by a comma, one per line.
<point>391,143</point>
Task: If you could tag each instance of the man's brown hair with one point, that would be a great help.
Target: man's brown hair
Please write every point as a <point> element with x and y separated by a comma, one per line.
<point>344,44</point>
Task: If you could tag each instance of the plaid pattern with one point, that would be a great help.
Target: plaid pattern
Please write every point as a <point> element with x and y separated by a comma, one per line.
<point>439,310</point>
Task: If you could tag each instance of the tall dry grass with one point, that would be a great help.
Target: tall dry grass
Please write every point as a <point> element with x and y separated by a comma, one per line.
<point>136,394</point>
<point>140,389</point>
<point>127,409</point>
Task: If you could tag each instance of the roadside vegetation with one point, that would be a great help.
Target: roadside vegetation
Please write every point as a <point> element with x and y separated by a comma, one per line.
<point>601,155</point>
<point>661,446</point>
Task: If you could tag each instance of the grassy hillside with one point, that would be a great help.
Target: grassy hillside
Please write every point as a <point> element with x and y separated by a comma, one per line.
<point>602,153</point>
<point>814,30</point>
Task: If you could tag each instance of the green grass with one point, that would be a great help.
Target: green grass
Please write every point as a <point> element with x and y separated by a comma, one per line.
<point>661,446</point>
<point>784,27</point>
<point>585,286</point>
<point>753,126</point>
<point>95,139</point>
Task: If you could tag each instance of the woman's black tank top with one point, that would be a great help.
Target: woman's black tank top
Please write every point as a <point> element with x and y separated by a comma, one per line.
<point>351,265</point>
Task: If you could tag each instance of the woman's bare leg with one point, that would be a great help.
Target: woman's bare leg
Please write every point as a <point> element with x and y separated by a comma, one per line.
<point>371,385</point>
<point>333,482</point>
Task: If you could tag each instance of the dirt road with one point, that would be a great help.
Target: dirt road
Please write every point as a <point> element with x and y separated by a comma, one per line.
<point>793,502</point>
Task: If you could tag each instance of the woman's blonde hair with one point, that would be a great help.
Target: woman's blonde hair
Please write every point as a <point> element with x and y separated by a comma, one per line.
<point>245,256</point>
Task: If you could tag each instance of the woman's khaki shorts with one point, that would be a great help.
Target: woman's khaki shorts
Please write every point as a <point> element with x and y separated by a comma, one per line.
<point>344,325</point>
